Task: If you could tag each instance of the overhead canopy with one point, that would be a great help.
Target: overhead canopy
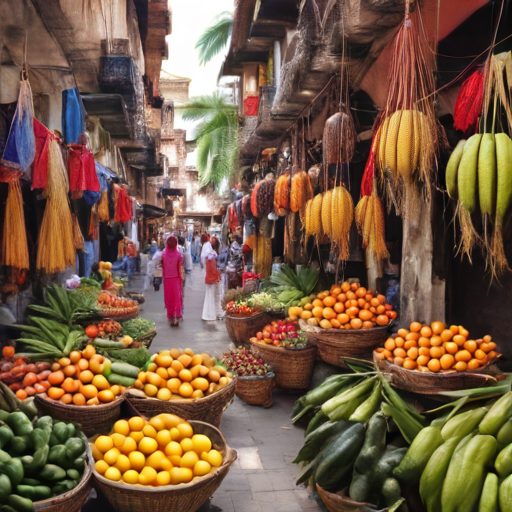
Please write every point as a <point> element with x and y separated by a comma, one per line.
<point>153,212</point>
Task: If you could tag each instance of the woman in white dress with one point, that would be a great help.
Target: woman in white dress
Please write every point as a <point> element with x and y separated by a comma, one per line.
<point>212,309</point>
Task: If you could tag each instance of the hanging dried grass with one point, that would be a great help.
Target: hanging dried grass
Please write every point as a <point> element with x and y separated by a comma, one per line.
<point>408,137</point>
<point>339,139</point>
<point>14,242</point>
<point>103,207</point>
<point>78,238</point>
<point>282,195</point>
<point>56,249</point>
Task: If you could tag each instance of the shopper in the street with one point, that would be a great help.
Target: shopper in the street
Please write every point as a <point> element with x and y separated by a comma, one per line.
<point>156,267</point>
<point>172,263</point>
<point>206,248</point>
<point>212,309</point>
<point>196,247</point>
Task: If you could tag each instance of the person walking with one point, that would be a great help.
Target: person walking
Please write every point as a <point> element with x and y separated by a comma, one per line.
<point>212,309</point>
<point>156,267</point>
<point>172,264</point>
<point>196,247</point>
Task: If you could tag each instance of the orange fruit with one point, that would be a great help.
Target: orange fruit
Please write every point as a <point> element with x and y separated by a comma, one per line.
<point>56,378</point>
<point>461,366</point>
<point>437,327</point>
<point>186,389</point>
<point>70,370</point>
<point>55,393</point>
<point>412,353</point>
<point>424,351</point>
<point>89,391</point>
<point>318,312</point>
<point>436,341</point>
<point>343,318</point>
<point>413,336</point>
<point>426,332</point>
<point>75,356</point>
<point>67,398</point>
<point>447,361</point>
<point>328,313</point>
<point>317,303</point>
<point>437,352</point>
<point>390,344</point>
<point>399,361</point>
<point>402,333</point>
<point>86,376</point>
<point>329,301</point>
<point>487,338</point>
<point>409,364</point>
<point>335,323</point>
<point>70,385</point>
<point>446,335</point>
<point>463,332</point>
<point>106,396</point>
<point>415,327</point>
<point>473,364</point>
<point>454,329</point>
<point>400,342</point>
<point>339,307</point>
<point>368,324</point>
<point>451,347</point>
<point>423,360</point>
<point>399,352</point>
<point>409,344</point>
<point>463,355</point>
<point>470,346</point>
<point>480,355</point>
<point>83,364</point>
<point>185,376</point>
<point>79,399</point>
<point>483,346</point>
<point>64,361</point>
<point>356,323</point>
<point>424,342</point>
<point>434,365</point>
<point>365,315</point>
<point>185,360</point>
<point>459,339</point>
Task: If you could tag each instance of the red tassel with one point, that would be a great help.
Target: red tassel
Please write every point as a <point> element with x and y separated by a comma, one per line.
<point>369,171</point>
<point>468,106</point>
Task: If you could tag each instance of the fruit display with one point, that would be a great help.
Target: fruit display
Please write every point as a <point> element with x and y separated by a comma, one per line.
<point>282,333</point>
<point>244,363</point>
<point>88,378</point>
<point>292,286</point>
<point>104,329</point>
<point>266,301</point>
<point>39,459</point>
<point>22,377</point>
<point>137,328</point>
<point>158,452</point>
<point>437,348</point>
<point>240,309</point>
<point>175,374</point>
<point>113,305</point>
<point>348,306</point>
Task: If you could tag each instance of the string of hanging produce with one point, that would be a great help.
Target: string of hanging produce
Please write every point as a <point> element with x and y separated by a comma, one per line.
<point>407,135</point>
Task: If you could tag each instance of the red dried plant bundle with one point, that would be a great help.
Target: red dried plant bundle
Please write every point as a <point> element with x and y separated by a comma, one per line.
<point>468,106</point>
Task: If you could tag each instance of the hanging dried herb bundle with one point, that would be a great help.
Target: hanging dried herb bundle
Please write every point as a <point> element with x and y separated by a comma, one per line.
<point>408,134</point>
<point>468,106</point>
<point>339,139</point>
<point>282,195</point>
<point>78,238</point>
<point>56,249</point>
<point>254,199</point>
<point>14,242</point>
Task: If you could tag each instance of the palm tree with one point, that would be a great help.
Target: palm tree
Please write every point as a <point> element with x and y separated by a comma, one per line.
<point>216,136</point>
<point>215,37</point>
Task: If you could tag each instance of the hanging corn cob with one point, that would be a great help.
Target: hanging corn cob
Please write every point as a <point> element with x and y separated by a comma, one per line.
<point>407,135</point>
<point>326,213</point>
<point>342,215</point>
<point>301,191</point>
<point>282,194</point>
<point>254,199</point>
<point>14,241</point>
<point>56,249</point>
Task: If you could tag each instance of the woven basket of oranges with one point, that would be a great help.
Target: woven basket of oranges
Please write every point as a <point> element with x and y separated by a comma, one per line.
<point>431,358</point>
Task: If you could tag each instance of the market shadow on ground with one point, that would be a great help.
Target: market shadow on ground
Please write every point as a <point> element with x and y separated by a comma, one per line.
<point>263,477</point>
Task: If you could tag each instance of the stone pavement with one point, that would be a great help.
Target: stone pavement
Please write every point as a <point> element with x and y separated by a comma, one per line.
<point>263,477</point>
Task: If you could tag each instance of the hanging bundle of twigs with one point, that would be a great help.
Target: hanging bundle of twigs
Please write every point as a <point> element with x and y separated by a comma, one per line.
<point>14,242</point>
<point>408,133</point>
<point>56,249</point>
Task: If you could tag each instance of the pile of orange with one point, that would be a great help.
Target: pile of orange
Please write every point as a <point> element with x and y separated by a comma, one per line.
<point>79,380</point>
<point>174,374</point>
<point>348,306</point>
<point>437,348</point>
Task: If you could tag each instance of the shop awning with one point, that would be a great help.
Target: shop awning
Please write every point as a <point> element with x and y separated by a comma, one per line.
<point>173,192</point>
<point>153,212</point>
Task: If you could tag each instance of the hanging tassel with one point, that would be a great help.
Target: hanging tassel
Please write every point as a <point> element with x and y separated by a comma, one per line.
<point>468,106</point>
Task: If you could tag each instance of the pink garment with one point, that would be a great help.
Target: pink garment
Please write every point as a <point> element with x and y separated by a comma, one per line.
<point>173,287</point>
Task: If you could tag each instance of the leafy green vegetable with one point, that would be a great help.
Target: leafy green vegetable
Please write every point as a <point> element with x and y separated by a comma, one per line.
<point>137,328</point>
<point>135,356</point>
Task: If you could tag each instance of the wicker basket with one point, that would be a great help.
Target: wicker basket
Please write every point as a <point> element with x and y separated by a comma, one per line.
<point>340,502</point>
<point>119,314</point>
<point>241,329</point>
<point>170,498</point>
<point>334,344</point>
<point>93,419</point>
<point>255,390</point>
<point>293,368</point>
<point>208,409</point>
<point>73,500</point>
<point>147,339</point>
<point>432,383</point>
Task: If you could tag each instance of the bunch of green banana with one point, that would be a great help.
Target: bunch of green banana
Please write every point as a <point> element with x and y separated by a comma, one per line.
<point>9,402</point>
<point>294,286</point>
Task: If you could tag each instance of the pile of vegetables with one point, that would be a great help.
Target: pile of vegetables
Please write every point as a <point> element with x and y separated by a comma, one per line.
<point>181,374</point>
<point>244,363</point>
<point>88,378</point>
<point>25,379</point>
<point>437,348</point>
<point>282,333</point>
<point>293,286</point>
<point>161,451</point>
<point>105,329</point>
<point>39,459</point>
<point>137,328</point>
<point>240,309</point>
<point>113,305</point>
<point>348,306</point>
<point>266,301</point>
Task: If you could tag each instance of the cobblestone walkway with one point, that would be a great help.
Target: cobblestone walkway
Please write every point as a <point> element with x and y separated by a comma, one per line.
<point>263,477</point>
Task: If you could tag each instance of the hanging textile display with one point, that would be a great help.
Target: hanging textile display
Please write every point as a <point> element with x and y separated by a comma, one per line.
<point>40,164</point>
<point>14,241</point>
<point>123,205</point>
<point>20,148</point>
<point>73,115</point>
<point>82,171</point>
<point>56,249</point>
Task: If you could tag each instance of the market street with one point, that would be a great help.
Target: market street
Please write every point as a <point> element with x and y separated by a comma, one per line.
<point>263,477</point>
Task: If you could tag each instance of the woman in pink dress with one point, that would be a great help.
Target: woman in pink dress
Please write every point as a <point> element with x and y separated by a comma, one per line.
<point>172,262</point>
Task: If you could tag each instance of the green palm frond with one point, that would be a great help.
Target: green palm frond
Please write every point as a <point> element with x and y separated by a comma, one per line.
<point>215,38</point>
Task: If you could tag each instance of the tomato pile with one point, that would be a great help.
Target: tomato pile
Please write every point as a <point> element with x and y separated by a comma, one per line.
<point>111,300</point>
<point>240,309</point>
<point>105,329</point>
<point>282,333</point>
<point>23,378</point>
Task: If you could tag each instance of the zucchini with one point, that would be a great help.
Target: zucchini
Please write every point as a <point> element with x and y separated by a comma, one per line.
<point>121,380</point>
<point>106,344</point>
<point>125,369</point>
<point>20,504</point>
<point>52,473</point>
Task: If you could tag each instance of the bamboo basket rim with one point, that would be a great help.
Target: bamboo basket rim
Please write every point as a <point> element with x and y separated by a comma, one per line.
<point>85,480</point>
<point>283,350</point>
<point>131,393</point>
<point>227,460</point>
<point>57,403</point>
<point>260,313</point>
<point>358,332</point>
<point>268,375</point>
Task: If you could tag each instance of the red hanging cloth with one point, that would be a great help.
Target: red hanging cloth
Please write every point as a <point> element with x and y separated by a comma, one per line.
<point>123,205</point>
<point>81,170</point>
<point>40,164</point>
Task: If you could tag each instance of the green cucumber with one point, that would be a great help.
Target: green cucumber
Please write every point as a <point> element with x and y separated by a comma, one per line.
<point>106,344</point>
<point>121,380</point>
<point>125,369</point>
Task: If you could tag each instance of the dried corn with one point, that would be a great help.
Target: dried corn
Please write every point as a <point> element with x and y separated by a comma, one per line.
<point>326,213</point>
<point>341,220</point>
<point>316,216</point>
<point>297,192</point>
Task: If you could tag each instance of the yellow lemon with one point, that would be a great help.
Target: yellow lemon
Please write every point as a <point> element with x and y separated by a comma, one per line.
<point>147,476</point>
<point>101,466</point>
<point>202,468</point>
<point>163,478</point>
<point>113,474</point>
<point>122,427</point>
<point>174,386</point>
<point>163,360</point>
<point>173,448</point>
<point>187,445</point>
<point>181,475</point>
<point>204,456</point>
<point>96,453</point>
<point>123,463</point>
<point>137,436</point>
<point>170,420</point>
<point>100,382</point>
<point>215,458</point>
<point>150,389</point>
<point>137,461</point>
<point>152,367</point>
<point>130,445</point>
<point>111,456</point>
<point>157,423</point>
<point>175,434</point>
<point>118,439</point>
<point>185,430</point>
<point>155,460</point>
<point>104,444</point>
<point>148,445</point>
<point>163,438</point>
<point>149,431</point>
<point>175,460</point>
<point>186,390</point>
<point>131,477</point>
<point>189,460</point>
<point>201,443</point>
<point>136,423</point>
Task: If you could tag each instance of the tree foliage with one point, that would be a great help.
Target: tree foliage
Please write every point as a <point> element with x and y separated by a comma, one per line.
<point>215,38</point>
